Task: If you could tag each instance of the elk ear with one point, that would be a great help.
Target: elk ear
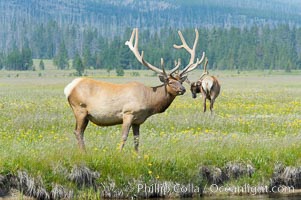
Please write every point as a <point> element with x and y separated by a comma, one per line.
<point>182,79</point>
<point>163,78</point>
<point>198,83</point>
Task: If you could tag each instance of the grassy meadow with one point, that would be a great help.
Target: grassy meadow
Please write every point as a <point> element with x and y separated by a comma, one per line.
<point>256,121</point>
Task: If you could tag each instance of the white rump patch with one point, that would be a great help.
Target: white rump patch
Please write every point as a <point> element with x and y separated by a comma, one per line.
<point>68,89</point>
<point>207,84</point>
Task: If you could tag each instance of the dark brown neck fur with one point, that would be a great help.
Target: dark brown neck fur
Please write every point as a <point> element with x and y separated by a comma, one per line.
<point>160,98</point>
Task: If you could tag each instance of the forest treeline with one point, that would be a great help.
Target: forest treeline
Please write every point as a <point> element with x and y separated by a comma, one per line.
<point>252,48</point>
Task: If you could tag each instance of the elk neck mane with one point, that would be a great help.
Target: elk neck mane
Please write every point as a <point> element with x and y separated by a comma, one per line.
<point>159,98</point>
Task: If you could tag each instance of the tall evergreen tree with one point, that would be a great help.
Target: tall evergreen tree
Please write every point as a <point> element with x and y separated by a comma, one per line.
<point>61,59</point>
<point>88,60</point>
<point>1,61</point>
<point>78,65</point>
<point>26,55</point>
<point>42,65</point>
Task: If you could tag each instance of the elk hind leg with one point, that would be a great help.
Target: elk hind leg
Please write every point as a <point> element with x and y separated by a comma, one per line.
<point>136,136</point>
<point>81,124</point>
<point>211,104</point>
<point>204,103</point>
<point>213,95</point>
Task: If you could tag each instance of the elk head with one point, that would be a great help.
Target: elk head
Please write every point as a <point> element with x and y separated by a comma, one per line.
<point>174,79</point>
<point>195,88</point>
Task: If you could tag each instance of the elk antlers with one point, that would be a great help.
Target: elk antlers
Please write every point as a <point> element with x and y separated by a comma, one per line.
<point>134,49</point>
<point>191,65</point>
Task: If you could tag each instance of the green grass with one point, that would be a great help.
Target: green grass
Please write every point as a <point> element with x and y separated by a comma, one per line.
<point>257,120</point>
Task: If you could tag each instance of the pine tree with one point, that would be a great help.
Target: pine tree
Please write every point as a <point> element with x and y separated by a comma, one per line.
<point>77,64</point>
<point>42,65</point>
<point>1,61</point>
<point>26,57</point>
<point>87,57</point>
<point>61,60</point>
<point>119,71</point>
<point>124,57</point>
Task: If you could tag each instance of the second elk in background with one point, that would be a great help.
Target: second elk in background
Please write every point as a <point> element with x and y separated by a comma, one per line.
<point>207,85</point>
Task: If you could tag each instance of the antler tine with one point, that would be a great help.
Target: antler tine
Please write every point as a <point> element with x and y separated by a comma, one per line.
<point>193,66</point>
<point>177,65</point>
<point>129,43</point>
<point>139,56</point>
<point>136,39</point>
<point>162,66</point>
<point>186,47</point>
<point>184,44</point>
<point>132,37</point>
<point>205,65</point>
<point>195,42</point>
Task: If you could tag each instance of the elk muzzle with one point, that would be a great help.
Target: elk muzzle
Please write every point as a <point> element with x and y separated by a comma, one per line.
<point>193,95</point>
<point>182,90</point>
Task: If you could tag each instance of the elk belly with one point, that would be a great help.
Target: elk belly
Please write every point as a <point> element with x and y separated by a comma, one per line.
<point>105,118</point>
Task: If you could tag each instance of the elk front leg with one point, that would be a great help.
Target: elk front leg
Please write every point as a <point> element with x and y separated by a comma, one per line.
<point>126,125</point>
<point>81,124</point>
<point>136,136</point>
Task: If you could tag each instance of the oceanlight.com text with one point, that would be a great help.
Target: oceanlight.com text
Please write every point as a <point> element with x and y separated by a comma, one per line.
<point>165,189</point>
<point>248,189</point>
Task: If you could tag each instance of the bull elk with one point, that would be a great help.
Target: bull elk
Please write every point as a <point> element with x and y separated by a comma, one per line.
<point>129,104</point>
<point>208,86</point>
